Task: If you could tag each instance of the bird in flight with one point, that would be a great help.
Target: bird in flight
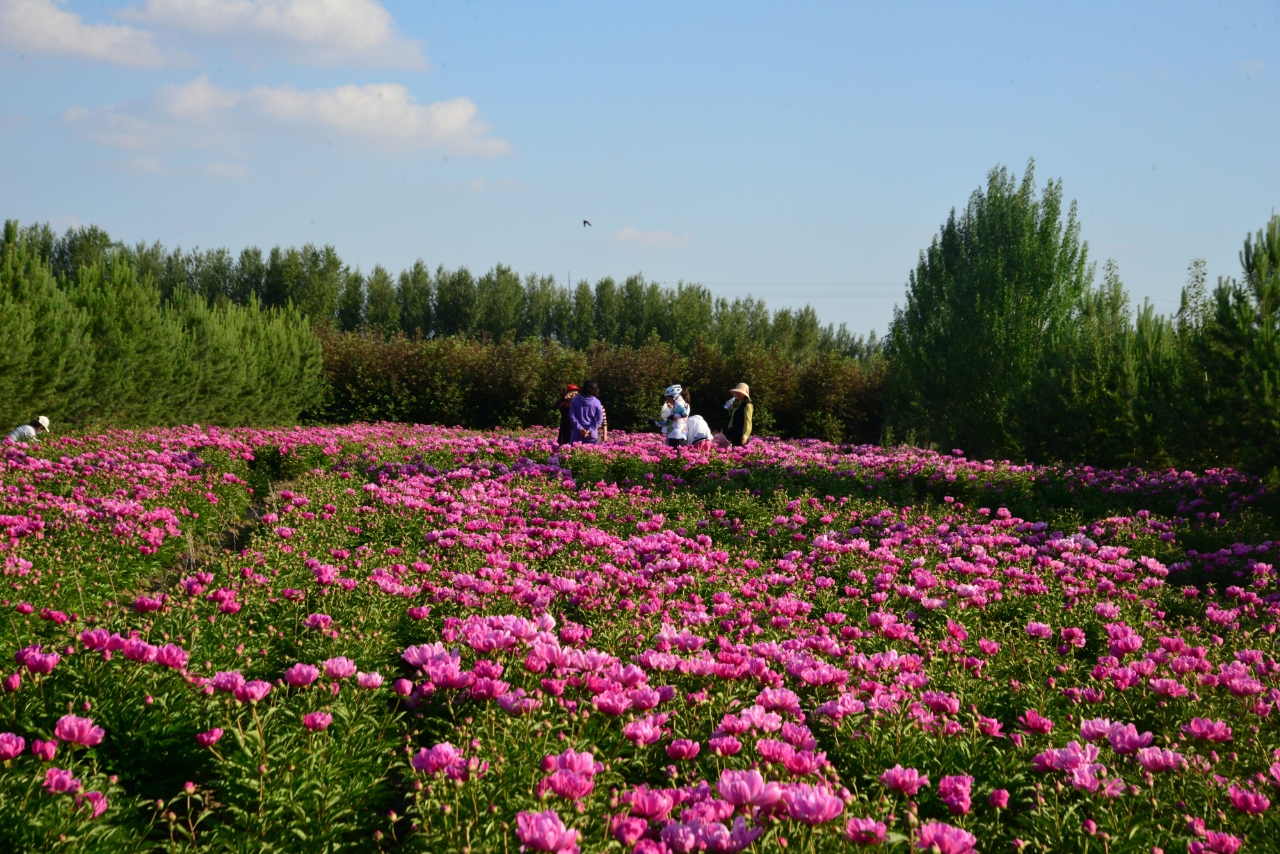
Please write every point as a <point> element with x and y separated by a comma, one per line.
<point>585,224</point>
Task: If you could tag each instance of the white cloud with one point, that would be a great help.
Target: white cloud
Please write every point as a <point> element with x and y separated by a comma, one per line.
<point>199,114</point>
<point>44,26</point>
<point>317,32</point>
<point>662,239</point>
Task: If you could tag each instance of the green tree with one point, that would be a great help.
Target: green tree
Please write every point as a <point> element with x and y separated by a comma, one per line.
<point>351,304</point>
<point>582,325</point>
<point>416,294</point>
<point>607,311</point>
<point>457,308</point>
<point>501,299</point>
<point>993,284</point>
<point>383,312</point>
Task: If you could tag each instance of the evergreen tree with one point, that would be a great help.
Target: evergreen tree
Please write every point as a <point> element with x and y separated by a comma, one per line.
<point>383,309</point>
<point>993,284</point>
<point>351,305</point>
<point>457,307</point>
<point>416,294</point>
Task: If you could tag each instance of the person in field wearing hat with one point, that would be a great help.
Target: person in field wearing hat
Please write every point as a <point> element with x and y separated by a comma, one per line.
<point>29,432</point>
<point>737,428</point>
<point>566,426</point>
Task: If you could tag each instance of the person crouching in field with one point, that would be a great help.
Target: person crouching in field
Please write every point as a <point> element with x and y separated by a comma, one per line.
<point>29,432</point>
<point>674,416</point>
<point>698,432</point>
<point>566,426</point>
<point>586,415</point>
<point>737,428</point>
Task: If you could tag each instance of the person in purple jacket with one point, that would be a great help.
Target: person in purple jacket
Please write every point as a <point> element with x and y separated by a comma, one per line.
<point>586,414</point>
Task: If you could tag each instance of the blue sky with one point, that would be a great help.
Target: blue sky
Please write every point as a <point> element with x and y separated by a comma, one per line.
<point>805,153</point>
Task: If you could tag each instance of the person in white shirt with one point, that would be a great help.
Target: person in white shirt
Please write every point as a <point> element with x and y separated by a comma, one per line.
<point>674,416</point>
<point>699,432</point>
<point>29,432</point>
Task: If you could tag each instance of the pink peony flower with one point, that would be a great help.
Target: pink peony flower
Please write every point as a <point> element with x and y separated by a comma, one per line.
<point>544,831</point>
<point>339,668</point>
<point>210,738</point>
<point>227,681</point>
<point>11,745</point>
<point>905,780</point>
<point>44,750</point>
<point>252,691</point>
<point>1125,739</point>
<point>437,758</point>
<point>79,731</point>
<point>369,681</point>
<point>570,784</point>
<point>865,831</point>
<point>811,804</point>
<point>999,799</point>
<point>95,802</point>
<point>1039,630</point>
<point>1249,802</point>
<point>945,839</point>
<point>1215,843</point>
<point>1095,729</point>
<point>955,792</point>
<point>301,675</point>
<point>1155,759</point>
<point>1033,721</point>
<point>58,781</point>
<point>651,804</point>
<point>316,721</point>
<point>747,788</point>
<point>683,749</point>
<point>1205,729</point>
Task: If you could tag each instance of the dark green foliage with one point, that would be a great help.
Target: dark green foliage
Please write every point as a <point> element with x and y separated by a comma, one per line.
<point>382,310</point>
<point>994,284</point>
<point>416,294</point>
<point>103,347</point>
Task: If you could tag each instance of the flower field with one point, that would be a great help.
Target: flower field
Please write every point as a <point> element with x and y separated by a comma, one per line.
<point>399,638</point>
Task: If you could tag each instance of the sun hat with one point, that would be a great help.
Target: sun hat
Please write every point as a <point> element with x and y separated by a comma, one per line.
<point>744,388</point>
<point>44,422</point>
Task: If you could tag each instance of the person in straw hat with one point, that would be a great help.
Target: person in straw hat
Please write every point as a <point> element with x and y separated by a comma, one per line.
<point>29,432</point>
<point>737,428</point>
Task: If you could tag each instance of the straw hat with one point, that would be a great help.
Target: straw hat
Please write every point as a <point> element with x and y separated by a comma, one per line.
<point>743,388</point>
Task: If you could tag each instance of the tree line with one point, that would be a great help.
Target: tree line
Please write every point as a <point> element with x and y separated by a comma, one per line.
<point>444,303</point>
<point>1008,347</point>
<point>96,344</point>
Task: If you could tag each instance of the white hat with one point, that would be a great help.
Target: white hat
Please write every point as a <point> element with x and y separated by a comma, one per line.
<point>672,391</point>
<point>43,421</point>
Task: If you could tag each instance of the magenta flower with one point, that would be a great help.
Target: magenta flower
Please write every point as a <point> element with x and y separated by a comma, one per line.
<point>44,750</point>
<point>570,785</point>
<point>437,758</point>
<point>1125,739</point>
<point>580,762</point>
<point>1168,688</point>
<point>544,831</point>
<point>339,668</point>
<point>811,804</point>
<point>1249,802</point>
<point>865,831</point>
<point>402,687</point>
<point>171,656</point>
<point>651,804</point>
<point>1215,843</point>
<point>643,731</point>
<point>79,731</point>
<point>1205,729</point>
<point>1095,729</point>
<point>1039,630</point>
<point>316,721</point>
<point>628,829</point>
<point>210,738</point>
<point>58,781</point>
<point>42,663</point>
<point>945,839</point>
<point>11,745</point>
<point>955,792</point>
<point>227,681</point>
<point>1033,721</point>
<point>683,749</point>
<point>1155,759</point>
<point>999,799</point>
<point>253,691</point>
<point>95,802</point>
<point>369,681</point>
<point>747,788</point>
<point>301,675</point>
<point>905,780</point>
